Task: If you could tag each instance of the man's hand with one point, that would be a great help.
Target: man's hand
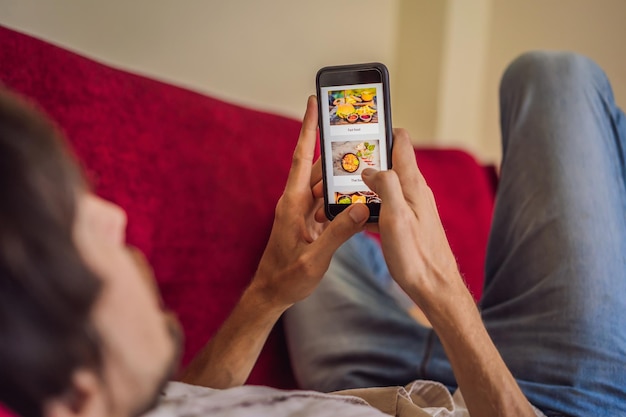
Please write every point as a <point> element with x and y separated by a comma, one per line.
<point>420,260</point>
<point>413,240</point>
<point>296,257</point>
<point>414,243</point>
<point>300,248</point>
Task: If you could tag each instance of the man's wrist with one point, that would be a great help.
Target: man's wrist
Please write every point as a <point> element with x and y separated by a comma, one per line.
<point>262,298</point>
<point>443,297</point>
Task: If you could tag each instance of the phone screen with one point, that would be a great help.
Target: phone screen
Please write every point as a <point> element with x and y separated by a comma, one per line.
<point>354,135</point>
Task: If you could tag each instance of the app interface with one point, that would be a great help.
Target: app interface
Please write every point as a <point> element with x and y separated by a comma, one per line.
<point>354,139</point>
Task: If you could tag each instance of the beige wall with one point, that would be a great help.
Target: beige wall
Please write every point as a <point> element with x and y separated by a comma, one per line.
<point>419,58</point>
<point>445,56</point>
<point>262,54</point>
<point>596,28</point>
<point>462,85</point>
<point>472,45</point>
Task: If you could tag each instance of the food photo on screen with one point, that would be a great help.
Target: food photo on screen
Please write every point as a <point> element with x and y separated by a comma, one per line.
<point>356,197</point>
<point>352,157</point>
<point>357,106</point>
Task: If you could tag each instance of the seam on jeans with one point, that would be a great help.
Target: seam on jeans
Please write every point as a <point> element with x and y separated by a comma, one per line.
<point>427,353</point>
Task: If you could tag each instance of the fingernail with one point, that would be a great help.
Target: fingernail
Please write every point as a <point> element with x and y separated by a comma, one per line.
<point>359,212</point>
<point>368,172</point>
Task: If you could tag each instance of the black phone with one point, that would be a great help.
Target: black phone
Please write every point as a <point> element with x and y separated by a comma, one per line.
<point>355,133</point>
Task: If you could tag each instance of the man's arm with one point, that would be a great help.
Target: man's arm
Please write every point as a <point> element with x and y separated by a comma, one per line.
<point>420,260</point>
<point>227,360</point>
<point>297,255</point>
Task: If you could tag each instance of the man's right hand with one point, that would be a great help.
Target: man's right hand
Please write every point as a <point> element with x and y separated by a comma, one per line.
<point>420,260</point>
<point>413,240</point>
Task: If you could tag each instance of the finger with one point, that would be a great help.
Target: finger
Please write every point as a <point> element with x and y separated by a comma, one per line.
<point>368,175</point>
<point>317,204</point>
<point>405,165</point>
<point>318,190</point>
<point>316,172</point>
<point>300,173</point>
<point>387,185</point>
<point>320,215</point>
<point>343,227</point>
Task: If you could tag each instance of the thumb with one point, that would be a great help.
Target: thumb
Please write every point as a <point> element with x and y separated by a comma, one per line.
<point>343,227</point>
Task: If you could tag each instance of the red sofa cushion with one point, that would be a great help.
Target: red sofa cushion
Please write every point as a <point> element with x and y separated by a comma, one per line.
<point>199,179</point>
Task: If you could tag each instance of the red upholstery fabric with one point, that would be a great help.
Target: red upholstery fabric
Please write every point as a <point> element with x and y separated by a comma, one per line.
<point>199,179</point>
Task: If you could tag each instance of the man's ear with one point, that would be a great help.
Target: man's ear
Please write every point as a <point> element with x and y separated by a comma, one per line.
<point>86,398</point>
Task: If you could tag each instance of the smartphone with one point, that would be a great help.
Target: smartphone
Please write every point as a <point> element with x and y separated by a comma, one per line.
<point>355,133</point>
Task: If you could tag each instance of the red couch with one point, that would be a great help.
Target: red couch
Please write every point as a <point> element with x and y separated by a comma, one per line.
<point>199,179</point>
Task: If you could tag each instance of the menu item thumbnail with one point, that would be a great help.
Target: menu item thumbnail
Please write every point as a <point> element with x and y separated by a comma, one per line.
<point>357,197</point>
<point>352,157</point>
<point>352,106</point>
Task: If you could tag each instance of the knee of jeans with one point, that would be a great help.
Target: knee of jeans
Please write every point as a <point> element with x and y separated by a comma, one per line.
<point>550,71</point>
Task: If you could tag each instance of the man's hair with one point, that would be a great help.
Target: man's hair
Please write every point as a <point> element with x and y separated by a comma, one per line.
<point>46,290</point>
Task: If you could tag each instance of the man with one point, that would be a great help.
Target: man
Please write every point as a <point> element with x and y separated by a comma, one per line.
<point>552,301</point>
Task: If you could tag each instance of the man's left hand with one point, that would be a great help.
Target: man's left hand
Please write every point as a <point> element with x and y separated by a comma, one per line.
<point>300,248</point>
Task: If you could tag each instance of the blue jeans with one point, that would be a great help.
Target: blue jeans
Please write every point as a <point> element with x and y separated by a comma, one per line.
<point>554,299</point>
